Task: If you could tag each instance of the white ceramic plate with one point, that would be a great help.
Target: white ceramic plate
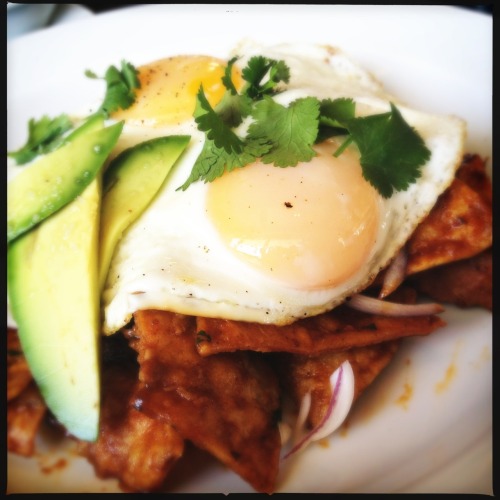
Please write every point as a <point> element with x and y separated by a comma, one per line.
<point>426,425</point>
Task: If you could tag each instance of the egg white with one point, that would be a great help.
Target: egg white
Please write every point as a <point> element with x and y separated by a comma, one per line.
<point>172,258</point>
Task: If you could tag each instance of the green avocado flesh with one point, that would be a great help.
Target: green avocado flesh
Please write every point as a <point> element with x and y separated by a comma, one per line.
<point>54,298</point>
<point>53,271</point>
<point>131,182</point>
<point>52,181</point>
<point>55,268</point>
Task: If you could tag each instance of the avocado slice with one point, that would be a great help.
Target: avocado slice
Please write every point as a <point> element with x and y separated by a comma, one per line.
<point>131,181</point>
<point>55,179</point>
<point>54,299</point>
<point>91,124</point>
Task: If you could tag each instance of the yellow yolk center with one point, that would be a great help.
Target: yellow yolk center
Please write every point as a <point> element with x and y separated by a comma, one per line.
<point>167,94</point>
<point>311,226</point>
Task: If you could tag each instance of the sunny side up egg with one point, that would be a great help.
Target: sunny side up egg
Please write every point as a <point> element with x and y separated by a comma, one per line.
<point>261,243</point>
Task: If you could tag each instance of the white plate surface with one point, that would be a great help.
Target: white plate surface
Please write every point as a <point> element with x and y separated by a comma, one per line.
<point>426,425</point>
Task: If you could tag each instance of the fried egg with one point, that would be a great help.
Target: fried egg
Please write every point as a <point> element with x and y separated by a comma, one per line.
<point>261,243</point>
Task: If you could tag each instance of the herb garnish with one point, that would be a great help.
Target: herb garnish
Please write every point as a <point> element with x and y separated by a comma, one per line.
<point>44,135</point>
<point>121,85</point>
<point>47,134</point>
<point>391,151</point>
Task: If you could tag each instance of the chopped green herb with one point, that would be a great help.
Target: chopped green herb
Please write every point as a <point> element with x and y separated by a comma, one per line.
<point>290,130</point>
<point>233,108</point>
<point>391,152</point>
<point>226,79</point>
<point>214,126</point>
<point>333,114</point>
<point>121,85</point>
<point>213,161</point>
<point>44,135</point>
<point>255,73</point>
<point>47,134</point>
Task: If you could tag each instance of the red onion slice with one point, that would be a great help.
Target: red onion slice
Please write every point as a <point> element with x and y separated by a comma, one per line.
<point>395,274</point>
<point>342,384</point>
<point>377,306</point>
<point>300,424</point>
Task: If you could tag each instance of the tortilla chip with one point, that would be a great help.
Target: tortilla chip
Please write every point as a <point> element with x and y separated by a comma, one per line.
<point>137,450</point>
<point>337,330</point>
<point>459,226</point>
<point>224,404</point>
<point>302,374</point>
<point>25,414</point>
<point>18,372</point>
<point>472,171</point>
<point>466,283</point>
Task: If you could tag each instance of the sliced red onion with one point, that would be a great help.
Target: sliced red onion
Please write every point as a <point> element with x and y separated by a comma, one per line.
<point>377,306</point>
<point>300,424</point>
<point>342,384</point>
<point>394,274</point>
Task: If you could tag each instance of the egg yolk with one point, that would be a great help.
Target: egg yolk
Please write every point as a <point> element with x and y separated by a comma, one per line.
<point>168,88</point>
<point>311,226</point>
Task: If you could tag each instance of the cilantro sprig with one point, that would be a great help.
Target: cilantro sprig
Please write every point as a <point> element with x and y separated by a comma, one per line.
<point>47,134</point>
<point>120,86</point>
<point>289,131</point>
<point>391,151</point>
<point>44,135</point>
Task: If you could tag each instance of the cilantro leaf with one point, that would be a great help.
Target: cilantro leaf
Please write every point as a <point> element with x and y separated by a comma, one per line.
<point>232,108</point>
<point>120,87</point>
<point>213,161</point>
<point>291,130</point>
<point>214,126</point>
<point>90,74</point>
<point>257,68</point>
<point>226,79</point>
<point>333,114</point>
<point>391,151</point>
<point>44,135</point>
